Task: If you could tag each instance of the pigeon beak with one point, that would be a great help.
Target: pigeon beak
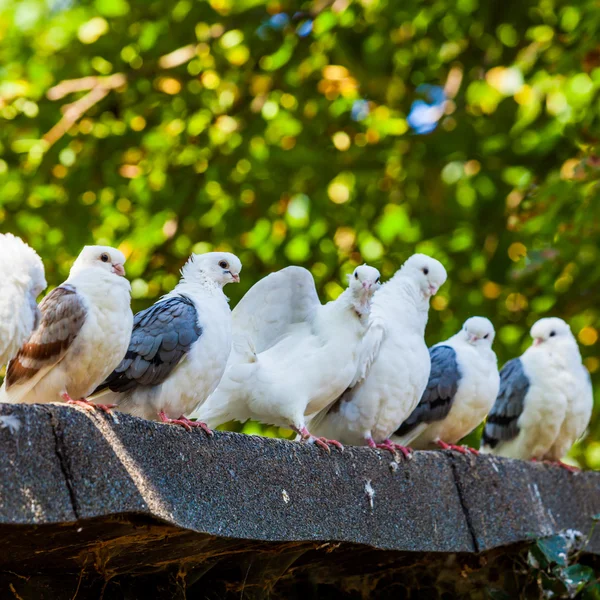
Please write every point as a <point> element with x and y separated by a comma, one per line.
<point>537,341</point>
<point>367,285</point>
<point>473,339</point>
<point>119,270</point>
<point>235,277</point>
<point>433,289</point>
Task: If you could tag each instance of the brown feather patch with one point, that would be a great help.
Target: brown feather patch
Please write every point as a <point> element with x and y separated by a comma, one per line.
<point>63,314</point>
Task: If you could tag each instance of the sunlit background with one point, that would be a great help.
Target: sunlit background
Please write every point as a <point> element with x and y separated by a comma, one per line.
<point>322,133</point>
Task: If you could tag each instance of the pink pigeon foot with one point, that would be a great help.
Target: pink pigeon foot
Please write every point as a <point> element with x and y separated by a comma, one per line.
<point>319,441</point>
<point>185,423</point>
<point>85,403</point>
<point>461,449</point>
<point>560,463</point>
<point>392,447</point>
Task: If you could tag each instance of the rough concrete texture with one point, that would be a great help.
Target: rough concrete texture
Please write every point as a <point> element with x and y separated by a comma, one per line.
<point>83,492</point>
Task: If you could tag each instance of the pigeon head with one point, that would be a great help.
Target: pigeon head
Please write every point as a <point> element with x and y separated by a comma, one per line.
<point>100,257</point>
<point>362,284</point>
<point>220,267</point>
<point>364,279</point>
<point>551,332</point>
<point>428,273</point>
<point>478,331</point>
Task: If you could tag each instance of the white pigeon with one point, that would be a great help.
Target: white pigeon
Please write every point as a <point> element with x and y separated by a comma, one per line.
<point>387,392</point>
<point>545,400</point>
<point>179,346</point>
<point>22,277</point>
<point>461,390</point>
<point>82,335</point>
<point>292,356</point>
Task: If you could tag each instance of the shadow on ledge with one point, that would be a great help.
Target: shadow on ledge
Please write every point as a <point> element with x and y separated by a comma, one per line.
<point>117,507</point>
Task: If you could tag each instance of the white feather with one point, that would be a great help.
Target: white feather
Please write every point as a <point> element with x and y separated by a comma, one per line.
<point>477,390</point>
<point>299,360</point>
<point>558,404</point>
<point>198,373</point>
<point>10,422</point>
<point>22,280</point>
<point>379,403</point>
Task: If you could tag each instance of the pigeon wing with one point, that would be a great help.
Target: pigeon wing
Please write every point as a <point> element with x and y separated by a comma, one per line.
<point>501,423</point>
<point>162,336</point>
<point>369,349</point>
<point>273,305</point>
<point>436,402</point>
<point>63,314</point>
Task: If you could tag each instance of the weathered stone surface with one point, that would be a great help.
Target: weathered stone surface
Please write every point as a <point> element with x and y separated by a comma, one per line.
<point>120,505</point>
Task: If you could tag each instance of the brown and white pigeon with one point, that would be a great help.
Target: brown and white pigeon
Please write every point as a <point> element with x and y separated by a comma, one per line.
<point>83,333</point>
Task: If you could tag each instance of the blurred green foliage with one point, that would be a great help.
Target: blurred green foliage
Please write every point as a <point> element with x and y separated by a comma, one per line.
<point>283,132</point>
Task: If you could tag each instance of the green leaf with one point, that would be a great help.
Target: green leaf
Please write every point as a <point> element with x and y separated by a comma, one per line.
<point>576,577</point>
<point>554,549</point>
<point>112,8</point>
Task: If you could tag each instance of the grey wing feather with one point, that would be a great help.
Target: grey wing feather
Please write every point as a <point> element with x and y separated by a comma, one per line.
<point>502,421</point>
<point>63,313</point>
<point>162,336</point>
<point>436,402</point>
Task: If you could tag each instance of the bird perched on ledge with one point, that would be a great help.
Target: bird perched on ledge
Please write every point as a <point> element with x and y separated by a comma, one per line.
<point>292,356</point>
<point>462,387</point>
<point>179,346</point>
<point>382,396</point>
<point>545,399</point>
<point>22,277</point>
<point>82,335</point>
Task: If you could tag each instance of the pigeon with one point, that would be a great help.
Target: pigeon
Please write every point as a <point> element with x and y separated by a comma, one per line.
<point>461,390</point>
<point>22,276</point>
<point>292,356</point>
<point>179,346</point>
<point>395,367</point>
<point>82,335</point>
<point>545,400</point>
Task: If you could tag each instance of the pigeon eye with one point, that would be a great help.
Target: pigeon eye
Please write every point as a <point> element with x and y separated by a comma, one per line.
<point>552,333</point>
<point>104,257</point>
<point>355,275</point>
<point>486,336</point>
<point>377,280</point>
<point>223,264</point>
<point>425,270</point>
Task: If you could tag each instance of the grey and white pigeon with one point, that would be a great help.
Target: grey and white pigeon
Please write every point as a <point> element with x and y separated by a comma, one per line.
<point>545,400</point>
<point>82,335</point>
<point>461,390</point>
<point>179,346</point>
<point>395,366</point>
<point>22,281</point>
<point>292,356</point>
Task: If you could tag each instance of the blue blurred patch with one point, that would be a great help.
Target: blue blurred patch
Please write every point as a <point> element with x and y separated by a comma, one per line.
<point>275,23</point>
<point>424,116</point>
<point>360,110</point>
<point>305,28</point>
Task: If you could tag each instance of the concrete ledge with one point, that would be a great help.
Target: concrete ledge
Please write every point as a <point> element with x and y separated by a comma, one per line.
<point>79,488</point>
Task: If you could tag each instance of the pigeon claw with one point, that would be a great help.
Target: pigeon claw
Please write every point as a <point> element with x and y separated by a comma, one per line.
<point>184,422</point>
<point>560,463</point>
<point>85,403</point>
<point>319,442</point>
<point>326,444</point>
<point>322,442</point>
<point>199,424</point>
<point>393,447</point>
<point>461,449</point>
